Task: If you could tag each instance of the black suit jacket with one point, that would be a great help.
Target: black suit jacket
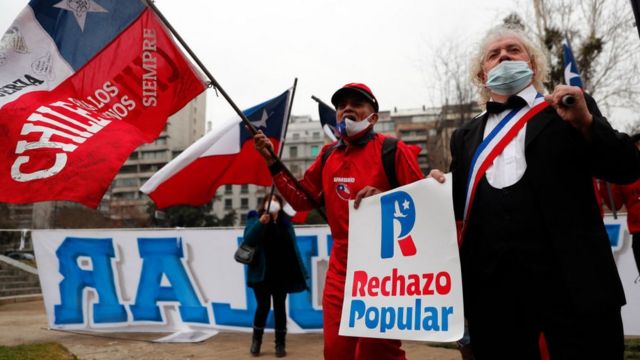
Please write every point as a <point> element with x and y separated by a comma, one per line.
<point>561,165</point>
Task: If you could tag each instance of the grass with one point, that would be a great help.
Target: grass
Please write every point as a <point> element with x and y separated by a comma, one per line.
<point>631,348</point>
<point>44,351</point>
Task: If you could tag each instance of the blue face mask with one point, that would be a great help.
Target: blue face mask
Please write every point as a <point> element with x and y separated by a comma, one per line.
<point>509,77</point>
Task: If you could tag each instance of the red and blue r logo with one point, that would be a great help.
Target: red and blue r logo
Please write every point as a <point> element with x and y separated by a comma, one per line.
<point>397,209</point>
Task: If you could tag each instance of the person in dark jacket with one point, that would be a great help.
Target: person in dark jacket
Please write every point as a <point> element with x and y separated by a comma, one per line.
<point>276,270</point>
<point>534,254</point>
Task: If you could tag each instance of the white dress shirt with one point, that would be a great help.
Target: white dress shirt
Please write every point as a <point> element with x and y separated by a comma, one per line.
<point>509,167</point>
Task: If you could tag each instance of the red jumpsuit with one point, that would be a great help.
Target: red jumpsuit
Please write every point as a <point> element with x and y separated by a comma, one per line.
<point>629,196</point>
<point>346,171</point>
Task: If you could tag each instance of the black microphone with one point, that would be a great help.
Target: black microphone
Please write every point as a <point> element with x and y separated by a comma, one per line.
<point>568,100</point>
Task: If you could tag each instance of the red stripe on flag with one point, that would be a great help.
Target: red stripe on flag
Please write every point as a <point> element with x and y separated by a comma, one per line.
<point>197,183</point>
<point>68,144</point>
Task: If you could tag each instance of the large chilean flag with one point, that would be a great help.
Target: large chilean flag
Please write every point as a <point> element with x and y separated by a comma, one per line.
<point>225,155</point>
<point>82,84</point>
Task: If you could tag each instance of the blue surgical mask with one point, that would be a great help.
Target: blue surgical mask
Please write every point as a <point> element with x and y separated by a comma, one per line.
<point>509,77</point>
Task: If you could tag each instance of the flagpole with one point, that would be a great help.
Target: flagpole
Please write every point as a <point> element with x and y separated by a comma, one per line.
<point>282,141</point>
<point>214,83</point>
<point>283,136</point>
<point>319,101</point>
<point>252,129</point>
<point>286,125</point>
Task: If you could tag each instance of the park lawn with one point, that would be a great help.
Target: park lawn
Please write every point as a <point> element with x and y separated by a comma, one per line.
<point>44,351</point>
<point>631,348</point>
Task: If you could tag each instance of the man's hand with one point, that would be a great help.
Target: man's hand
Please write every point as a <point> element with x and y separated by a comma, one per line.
<point>577,115</point>
<point>262,144</point>
<point>437,175</point>
<point>365,192</point>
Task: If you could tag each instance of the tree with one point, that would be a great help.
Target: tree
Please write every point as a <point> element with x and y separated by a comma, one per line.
<point>80,217</point>
<point>189,216</point>
<point>448,80</point>
<point>314,218</point>
<point>604,41</point>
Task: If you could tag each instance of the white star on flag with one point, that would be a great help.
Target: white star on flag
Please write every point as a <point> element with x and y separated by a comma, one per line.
<point>80,8</point>
<point>262,123</point>
<point>568,74</point>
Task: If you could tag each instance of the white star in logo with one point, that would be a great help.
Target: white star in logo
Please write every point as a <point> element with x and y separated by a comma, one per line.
<point>405,205</point>
<point>80,8</point>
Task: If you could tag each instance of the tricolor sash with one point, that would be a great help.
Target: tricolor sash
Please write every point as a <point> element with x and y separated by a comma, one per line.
<point>494,144</point>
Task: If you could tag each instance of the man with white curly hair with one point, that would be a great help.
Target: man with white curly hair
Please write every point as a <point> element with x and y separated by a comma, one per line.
<point>534,251</point>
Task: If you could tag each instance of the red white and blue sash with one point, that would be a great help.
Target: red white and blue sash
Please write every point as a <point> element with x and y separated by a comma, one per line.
<point>494,144</point>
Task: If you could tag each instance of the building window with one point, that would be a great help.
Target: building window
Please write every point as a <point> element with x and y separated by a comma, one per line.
<point>153,155</point>
<point>244,203</point>
<point>228,189</point>
<point>315,149</point>
<point>316,135</point>
<point>128,169</point>
<point>295,169</point>
<point>243,219</point>
<point>296,136</point>
<point>293,152</point>
<point>244,189</point>
<point>126,182</point>
<point>228,204</point>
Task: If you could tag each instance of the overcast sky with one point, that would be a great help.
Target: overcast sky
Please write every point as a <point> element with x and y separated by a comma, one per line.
<point>255,48</point>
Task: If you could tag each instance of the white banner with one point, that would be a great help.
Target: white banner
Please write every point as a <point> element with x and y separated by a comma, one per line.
<point>116,280</point>
<point>164,280</point>
<point>403,273</point>
<point>623,254</point>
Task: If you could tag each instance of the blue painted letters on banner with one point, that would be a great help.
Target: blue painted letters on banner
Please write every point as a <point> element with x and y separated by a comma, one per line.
<point>162,256</point>
<point>97,275</point>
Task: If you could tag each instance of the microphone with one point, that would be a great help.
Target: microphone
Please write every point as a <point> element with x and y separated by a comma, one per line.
<point>568,100</point>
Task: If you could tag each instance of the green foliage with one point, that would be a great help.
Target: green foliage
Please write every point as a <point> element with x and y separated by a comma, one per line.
<point>45,351</point>
<point>6,222</point>
<point>514,21</point>
<point>591,48</point>
<point>189,216</point>
<point>314,217</point>
<point>632,349</point>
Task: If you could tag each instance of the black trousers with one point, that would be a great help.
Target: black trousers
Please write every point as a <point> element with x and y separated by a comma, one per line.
<point>264,294</point>
<point>510,309</point>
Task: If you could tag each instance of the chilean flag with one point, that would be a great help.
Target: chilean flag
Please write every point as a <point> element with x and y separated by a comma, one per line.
<point>225,155</point>
<point>83,84</point>
<point>328,120</point>
<point>571,72</point>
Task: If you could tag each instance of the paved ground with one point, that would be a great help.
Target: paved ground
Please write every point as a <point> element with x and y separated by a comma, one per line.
<point>23,323</point>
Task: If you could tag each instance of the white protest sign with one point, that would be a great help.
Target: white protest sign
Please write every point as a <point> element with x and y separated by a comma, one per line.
<point>403,272</point>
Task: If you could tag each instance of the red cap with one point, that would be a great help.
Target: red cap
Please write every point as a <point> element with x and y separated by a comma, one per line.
<point>357,88</point>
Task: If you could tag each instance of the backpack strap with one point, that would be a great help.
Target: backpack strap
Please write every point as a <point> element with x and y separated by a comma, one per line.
<point>389,147</point>
<point>325,156</point>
